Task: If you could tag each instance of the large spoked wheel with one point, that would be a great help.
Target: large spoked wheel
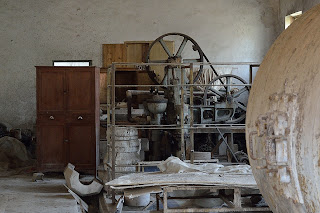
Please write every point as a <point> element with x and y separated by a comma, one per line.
<point>174,57</point>
<point>229,95</point>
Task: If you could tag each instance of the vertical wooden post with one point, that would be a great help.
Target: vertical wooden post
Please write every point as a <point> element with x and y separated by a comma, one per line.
<point>165,200</point>
<point>237,198</point>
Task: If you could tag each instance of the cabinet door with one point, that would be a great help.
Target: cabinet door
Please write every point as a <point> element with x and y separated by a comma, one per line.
<point>51,90</point>
<point>82,146</point>
<point>51,147</point>
<point>80,89</point>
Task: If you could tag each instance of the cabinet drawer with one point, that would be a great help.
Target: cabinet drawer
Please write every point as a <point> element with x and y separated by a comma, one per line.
<point>50,118</point>
<point>80,118</point>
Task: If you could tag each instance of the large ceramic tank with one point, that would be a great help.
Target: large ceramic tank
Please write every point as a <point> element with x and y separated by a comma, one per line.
<point>283,119</point>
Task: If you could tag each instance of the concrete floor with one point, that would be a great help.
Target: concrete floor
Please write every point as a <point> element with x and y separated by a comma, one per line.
<point>20,194</point>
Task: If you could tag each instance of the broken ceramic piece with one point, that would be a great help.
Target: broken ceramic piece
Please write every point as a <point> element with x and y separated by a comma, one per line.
<point>37,176</point>
<point>73,182</point>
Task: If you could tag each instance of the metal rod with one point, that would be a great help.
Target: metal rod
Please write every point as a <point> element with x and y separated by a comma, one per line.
<point>194,63</point>
<point>227,145</point>
<point>195,128</point>
<point>191,115</point>
<point>107,157</point>
<point>113,128</point>
<point>215,72</point>
<point>185,85</point>
<point>183,149</point>
<point>175,125</point>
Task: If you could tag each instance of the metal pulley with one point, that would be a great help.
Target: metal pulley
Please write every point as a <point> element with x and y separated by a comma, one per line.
<point>174,57</point>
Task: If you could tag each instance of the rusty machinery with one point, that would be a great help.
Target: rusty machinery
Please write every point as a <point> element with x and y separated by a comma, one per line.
<point>214,103</point>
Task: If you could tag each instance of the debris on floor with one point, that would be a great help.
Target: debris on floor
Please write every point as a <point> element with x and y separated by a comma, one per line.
<point>73,182</point>
<point>84,207</point>
<point>4,129</point>
<point>13,155</point>
<point>175,165</point>
<point>210,182</point>
<point>19,194</point>
<point>37,176</point>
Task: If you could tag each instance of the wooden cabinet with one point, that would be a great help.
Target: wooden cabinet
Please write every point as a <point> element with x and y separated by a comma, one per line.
<point>67,117</point>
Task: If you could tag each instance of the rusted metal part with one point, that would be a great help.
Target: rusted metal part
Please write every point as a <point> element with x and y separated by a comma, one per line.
<point>282,119</point>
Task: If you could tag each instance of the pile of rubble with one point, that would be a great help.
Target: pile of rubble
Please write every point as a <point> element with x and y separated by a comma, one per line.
<point>16,150</point>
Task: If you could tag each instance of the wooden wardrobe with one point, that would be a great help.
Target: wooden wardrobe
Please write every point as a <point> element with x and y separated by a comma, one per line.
<point>67,118</point>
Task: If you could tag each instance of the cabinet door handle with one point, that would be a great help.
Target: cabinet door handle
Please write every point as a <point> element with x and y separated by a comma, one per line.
<point>66,140</point>
<point>80,118</point>
<point>51,117</point>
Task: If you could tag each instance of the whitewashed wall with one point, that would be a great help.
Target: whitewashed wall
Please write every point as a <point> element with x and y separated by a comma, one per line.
<point>35,32</point>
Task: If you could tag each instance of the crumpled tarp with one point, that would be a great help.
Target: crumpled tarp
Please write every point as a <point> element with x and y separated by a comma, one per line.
<point>175,165</point>
<point>173,171</point>
<point>13,154</point>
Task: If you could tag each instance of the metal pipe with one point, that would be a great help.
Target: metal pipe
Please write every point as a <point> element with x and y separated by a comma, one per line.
<point>183,148</point>
<point>182,64</point>
<point>185,85</point>
<point>191,115</point>
<point>113,100</point>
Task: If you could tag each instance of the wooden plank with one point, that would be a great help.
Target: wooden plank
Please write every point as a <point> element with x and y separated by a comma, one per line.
<point>103,86</point>
<point>83,205</point>
<point>237,198</point>
<point>158,53</point>
<point>136,52</point>
<point>113,53</point>
<point>190,178</point>
<point>123,77</point>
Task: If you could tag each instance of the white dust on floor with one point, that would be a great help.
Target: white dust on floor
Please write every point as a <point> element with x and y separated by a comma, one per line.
<point>20,194</point>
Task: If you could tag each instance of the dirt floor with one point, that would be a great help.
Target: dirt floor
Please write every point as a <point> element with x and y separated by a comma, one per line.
<point>19,194</point>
